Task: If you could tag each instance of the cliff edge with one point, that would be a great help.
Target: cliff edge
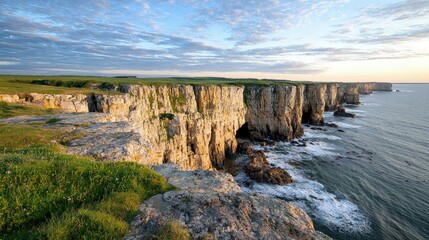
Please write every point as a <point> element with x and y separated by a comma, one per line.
<point>196,127</point>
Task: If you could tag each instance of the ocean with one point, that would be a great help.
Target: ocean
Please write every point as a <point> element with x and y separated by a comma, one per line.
<point>368,181</point>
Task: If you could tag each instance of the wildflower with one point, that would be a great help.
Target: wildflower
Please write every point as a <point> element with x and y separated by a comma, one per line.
<point>8,172</point>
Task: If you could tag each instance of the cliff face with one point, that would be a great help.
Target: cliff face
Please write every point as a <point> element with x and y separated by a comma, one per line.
<point>349,92</point>
<point>314,104</point>
<point>274,111</point>
<point>192,126</point>
<point>196,126</point>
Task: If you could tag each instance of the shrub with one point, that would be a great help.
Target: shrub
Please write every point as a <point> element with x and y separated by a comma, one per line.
<point>168,116</point>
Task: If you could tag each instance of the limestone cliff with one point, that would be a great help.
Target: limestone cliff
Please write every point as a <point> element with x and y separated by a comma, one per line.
<point>274,111</point>
<point>196,126</point>
<point>349,92</point>
<point>192,126</point>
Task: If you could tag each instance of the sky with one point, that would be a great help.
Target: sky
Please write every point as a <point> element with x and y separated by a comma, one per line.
<point>328,40</point>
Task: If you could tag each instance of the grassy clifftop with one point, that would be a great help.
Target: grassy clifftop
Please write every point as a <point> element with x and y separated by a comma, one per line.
<point>12,84</point>
<point>47,194</point>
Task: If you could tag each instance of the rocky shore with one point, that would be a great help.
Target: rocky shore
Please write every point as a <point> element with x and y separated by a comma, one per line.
<point>220,211</point>
<point>194,129</point>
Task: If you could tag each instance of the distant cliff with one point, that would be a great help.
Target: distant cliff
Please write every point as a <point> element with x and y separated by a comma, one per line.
<point>196,126</point>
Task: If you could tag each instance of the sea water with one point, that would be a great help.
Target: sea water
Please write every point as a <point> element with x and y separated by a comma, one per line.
<point>369,181</point>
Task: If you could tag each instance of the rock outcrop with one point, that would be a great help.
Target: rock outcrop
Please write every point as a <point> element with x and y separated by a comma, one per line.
<point>196,126</point>
<point>341,112</point>
<point>94,134</point>
<point>349,92</point>
<point>260,170</point>
<point>314,104</point>
<point>221,213</point>
<point>331,100</point>
<point>274,111</point>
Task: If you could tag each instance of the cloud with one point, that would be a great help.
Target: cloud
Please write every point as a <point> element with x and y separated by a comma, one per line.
<point>93,36</point>
<point>403,21</point>
<point>410,9</point>
<point>252,21</point>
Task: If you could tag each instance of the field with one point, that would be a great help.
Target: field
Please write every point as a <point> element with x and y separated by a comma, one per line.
<point>84,84</point>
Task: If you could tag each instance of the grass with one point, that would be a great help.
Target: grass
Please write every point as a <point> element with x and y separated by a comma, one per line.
<point>46,194</point>
<point>12,84</point>
<point>13,110</point>
<point>172,231</point>
<point>53,120</point>
<point>15,84</point>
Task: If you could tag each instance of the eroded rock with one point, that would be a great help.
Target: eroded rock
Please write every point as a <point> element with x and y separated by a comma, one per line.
<point>221,212</point>
<point>260,170</point>
<point>341,112</point>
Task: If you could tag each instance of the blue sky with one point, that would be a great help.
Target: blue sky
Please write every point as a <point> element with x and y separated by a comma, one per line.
<point>341,40</point>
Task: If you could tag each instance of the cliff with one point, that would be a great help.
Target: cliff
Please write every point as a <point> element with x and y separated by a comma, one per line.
<point>274,111</point>
<point>197,126</point>
<point>349,92</point>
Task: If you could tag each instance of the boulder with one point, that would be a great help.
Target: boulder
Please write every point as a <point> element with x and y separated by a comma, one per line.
<point>244,147</point>
<point>341,112</point>
<point>260,170</point>
<point>333,125</point>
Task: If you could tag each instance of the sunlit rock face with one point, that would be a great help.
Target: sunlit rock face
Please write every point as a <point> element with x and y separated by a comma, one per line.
<point>274,111</point>
<point>196,126</point>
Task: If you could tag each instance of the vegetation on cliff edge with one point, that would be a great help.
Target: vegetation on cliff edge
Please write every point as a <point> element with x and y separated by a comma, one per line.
<point>13,110</point>
<point>12,84</point>
<point>46,194</point>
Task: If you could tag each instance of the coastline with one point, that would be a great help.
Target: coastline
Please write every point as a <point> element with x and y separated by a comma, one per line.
<point>182,115</point>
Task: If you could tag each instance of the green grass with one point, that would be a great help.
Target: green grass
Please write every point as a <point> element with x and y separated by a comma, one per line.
<point>15,84</point>
<point>53,120</point>
<point>46,194</point>
<point>81,84</point>
<point>172,231</point>
<point>13,110</point>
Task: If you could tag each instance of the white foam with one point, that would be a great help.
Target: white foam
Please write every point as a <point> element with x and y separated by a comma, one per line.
<point>319,135</point>
<point>346,125</point>
<point>313,148</point>
<point>337,214</point>
<point>354,110</point>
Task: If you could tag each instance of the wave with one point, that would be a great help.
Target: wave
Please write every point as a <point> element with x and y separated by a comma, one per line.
<point>335,213</point>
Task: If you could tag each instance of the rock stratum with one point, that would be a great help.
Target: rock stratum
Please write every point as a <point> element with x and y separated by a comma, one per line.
<point>195,127</point>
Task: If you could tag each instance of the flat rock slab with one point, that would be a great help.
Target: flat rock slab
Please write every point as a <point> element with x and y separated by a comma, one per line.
<point>198,180</point>
<point>101,138</point>
<point>224,216</point>
<point>210,203</point>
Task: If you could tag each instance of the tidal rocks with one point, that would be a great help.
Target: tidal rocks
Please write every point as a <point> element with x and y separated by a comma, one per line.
<point>260,170</point>
<point>341,112</point>
<point>333,125</point>
<point>244,147</point>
